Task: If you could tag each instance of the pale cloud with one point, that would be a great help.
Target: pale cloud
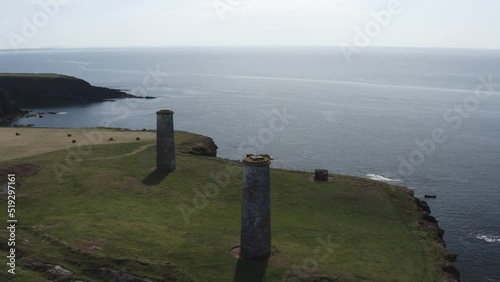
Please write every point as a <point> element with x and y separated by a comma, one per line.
<point>318,7</point>
<point>94,23</point>
<point>296,9</point>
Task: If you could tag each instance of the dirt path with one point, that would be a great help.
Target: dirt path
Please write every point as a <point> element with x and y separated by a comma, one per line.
<point>135,152</point>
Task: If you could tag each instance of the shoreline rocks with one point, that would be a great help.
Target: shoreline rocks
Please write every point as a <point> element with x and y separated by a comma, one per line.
<point>204,146</point>
<point>428,221</point>
<point>8,108</point>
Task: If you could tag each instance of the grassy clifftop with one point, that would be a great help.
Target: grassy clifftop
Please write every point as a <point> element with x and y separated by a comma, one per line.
<point>109,213</point>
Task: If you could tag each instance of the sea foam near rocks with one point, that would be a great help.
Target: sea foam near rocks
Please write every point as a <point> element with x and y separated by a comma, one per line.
<point>488,238</point>
<point>382,178</point>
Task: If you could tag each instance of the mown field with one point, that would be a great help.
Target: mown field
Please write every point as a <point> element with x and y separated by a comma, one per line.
<point>107,209</point>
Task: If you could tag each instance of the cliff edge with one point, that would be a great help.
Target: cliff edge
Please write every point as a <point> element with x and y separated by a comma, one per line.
<point>8,108</point>
<point>198,145</point>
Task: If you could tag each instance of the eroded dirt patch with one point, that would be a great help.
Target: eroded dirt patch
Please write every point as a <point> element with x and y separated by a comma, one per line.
<point>89,246</point>
<point>24,170</point>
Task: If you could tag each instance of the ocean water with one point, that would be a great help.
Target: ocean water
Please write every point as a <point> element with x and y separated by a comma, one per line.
<point>411,117</point>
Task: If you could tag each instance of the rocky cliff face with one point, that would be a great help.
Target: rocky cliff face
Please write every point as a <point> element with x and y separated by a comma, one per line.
<point>450,272</point>
<point>8,108</point>
<point>41,89</point>
<point>201,146</point>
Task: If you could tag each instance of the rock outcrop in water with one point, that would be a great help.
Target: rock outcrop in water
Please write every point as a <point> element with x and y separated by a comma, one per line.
<point>46,89</point>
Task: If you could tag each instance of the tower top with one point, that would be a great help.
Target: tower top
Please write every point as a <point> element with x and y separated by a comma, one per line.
<point>257,159</point>
<point>165,112</point>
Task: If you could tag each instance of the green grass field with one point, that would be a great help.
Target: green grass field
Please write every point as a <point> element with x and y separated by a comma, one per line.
<point>116,213</point>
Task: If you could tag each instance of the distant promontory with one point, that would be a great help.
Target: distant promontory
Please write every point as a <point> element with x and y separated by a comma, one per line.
<point>49,89</point>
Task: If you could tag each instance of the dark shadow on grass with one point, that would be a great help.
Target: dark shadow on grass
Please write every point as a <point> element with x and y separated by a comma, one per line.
<point>250,270</point>
<point>155,177</point>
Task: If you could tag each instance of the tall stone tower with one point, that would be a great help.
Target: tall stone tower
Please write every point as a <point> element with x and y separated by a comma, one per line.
<point>165,146</point>
<point>256,208</point>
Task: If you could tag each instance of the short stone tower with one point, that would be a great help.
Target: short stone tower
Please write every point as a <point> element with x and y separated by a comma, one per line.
<point>321,175</point>
<point>256,208</point>
<point>165,146</point>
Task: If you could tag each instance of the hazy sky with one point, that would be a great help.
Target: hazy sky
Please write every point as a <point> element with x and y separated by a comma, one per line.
<point>123,23</point>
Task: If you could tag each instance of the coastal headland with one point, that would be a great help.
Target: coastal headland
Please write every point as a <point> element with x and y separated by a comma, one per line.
<point>95,210</point>
<point>47,88</point>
